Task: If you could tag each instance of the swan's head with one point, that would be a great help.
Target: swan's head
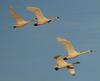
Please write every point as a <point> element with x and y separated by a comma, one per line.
<point>91,51</point>
<point>57,17</point>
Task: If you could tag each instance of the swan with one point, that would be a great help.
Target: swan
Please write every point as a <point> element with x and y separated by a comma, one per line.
<point>40,18</point>
<point>72,53</point>
<point>61,64</point>
<point>20,22</point>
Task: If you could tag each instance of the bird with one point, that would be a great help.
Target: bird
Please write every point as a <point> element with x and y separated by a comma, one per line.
<point>20,22</point>
<point>62,64</point>
<point>40,18</point>
<point>72,53</point>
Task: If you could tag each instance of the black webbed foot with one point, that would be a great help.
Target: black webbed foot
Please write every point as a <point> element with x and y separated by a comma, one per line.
<point>49,21</point>
<point>14,27</point>
<point>56,68</point>
<point>65,58</point>
<point>35,24</point>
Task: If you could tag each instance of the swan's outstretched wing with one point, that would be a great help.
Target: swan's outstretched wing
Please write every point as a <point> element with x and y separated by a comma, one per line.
<point>72,71</point>
<point>67,44</point>
<point>36,11</point>
<point>16,16</point>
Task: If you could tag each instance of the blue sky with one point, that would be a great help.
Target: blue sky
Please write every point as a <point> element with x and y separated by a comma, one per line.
<point>26,54</point>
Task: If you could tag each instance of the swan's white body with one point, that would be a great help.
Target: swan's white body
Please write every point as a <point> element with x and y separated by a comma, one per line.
<point>72,53</point>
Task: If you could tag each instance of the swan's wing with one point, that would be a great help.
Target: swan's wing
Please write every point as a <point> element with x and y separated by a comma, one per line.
<point>36,11</point>
<point>16,16</point>
<point>72,71</point>
<point>67,44</point>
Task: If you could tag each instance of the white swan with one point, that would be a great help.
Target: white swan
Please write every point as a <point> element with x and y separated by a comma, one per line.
<point>61,64</point>
<point>40,18</point>
<point>20,22</point>
<point>70,49</point>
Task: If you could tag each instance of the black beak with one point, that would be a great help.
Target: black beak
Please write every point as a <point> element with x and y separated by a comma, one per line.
<point>57,17</point>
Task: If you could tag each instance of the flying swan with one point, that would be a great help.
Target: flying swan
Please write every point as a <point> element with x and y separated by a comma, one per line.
<point>40,18</point>
<point>70,49</point>
<point>20,22</point>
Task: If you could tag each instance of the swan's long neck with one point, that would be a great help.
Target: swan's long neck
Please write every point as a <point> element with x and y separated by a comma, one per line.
<point>86,52</point>
<point>53,18</point>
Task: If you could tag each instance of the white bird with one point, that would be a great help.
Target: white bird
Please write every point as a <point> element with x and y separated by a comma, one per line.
<point>40,18</point>
<point>20,22</point>
<point>72,53</point>
<point>61,64</point>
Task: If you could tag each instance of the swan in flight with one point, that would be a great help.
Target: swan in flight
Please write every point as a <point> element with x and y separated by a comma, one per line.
<point>20,22</point>
<point>40,18</point>
<point>61,64</point>
<point>70,49</point>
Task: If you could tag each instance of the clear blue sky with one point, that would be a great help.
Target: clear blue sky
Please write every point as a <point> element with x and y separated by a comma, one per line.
<point>26,54</point>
